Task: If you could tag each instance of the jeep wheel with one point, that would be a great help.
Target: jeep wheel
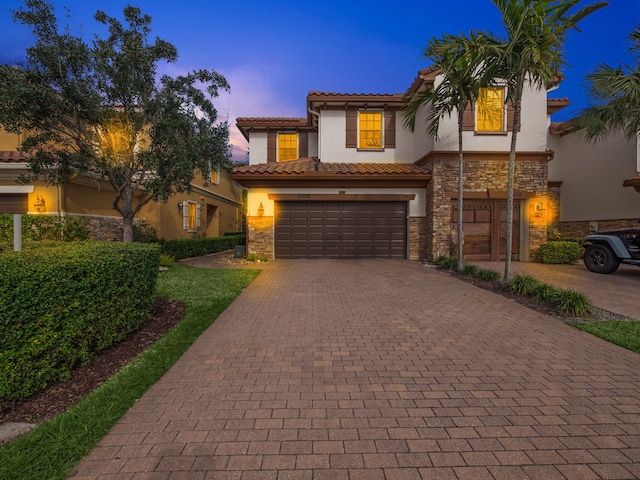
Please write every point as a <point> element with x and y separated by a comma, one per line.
<point>600,259</point>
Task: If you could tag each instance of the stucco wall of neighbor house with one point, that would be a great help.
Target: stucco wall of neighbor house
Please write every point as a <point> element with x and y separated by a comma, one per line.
<point>592,175</point>
<point>481,176</point>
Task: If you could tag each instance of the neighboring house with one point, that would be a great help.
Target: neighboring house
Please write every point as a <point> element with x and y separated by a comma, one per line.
<point>206,211</point>
<point>589,180</point>
<point>350,181</point>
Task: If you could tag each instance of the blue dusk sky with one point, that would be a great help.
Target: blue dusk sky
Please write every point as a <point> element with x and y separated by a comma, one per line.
<point>274,52</point>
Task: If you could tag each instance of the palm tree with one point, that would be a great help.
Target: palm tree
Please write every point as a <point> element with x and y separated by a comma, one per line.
<point>615,95</point>
<point>531,55</point>
<point>458,64</point>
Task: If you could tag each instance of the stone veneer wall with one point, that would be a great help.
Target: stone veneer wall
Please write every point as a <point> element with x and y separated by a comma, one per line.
<point>531,176</point>
<point>417,238</point>
<point>106,229</point>
<point>260,236</point>
<point>580,229</point>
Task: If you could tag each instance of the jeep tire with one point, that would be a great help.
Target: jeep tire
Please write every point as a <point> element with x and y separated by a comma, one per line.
<point>600,258</point>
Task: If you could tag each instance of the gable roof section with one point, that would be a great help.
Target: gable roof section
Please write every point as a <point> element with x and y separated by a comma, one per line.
<point>308,170</point>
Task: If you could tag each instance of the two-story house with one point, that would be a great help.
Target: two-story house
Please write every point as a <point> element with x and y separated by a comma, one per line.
<point>208,210</point>
<point>350,181</point>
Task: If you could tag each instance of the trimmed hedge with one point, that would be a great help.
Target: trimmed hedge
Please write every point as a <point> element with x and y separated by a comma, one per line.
<point>558,252</point>
<point>39,228</point>
<point>197,247</point>
<point>62,304</point>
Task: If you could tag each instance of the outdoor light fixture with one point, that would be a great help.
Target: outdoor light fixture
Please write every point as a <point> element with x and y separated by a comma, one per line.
<point>39,204</point>
<point>180,207</point>
<point>539,209</point>
<point>260,210</point>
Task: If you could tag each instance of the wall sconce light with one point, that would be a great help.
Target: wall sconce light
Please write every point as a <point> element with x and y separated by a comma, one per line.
<point>39,204</point>
<point>260,210</point>
<point>180,207</point>
<point>539,209</point>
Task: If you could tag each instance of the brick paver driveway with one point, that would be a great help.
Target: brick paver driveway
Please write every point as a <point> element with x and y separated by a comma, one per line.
<point>379,369</point>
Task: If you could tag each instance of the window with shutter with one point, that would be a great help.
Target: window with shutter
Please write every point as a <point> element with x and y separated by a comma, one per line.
<point>287,146</point>
<point>490,110</point>
<point>370,130</point>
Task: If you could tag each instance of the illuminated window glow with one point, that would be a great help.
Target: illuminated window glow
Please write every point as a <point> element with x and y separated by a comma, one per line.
<point>370,130</point>
<point>490,110</point>
<point>287,146</point>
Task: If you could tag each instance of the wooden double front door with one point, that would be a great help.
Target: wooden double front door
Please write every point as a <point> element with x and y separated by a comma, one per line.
<point>484,225</point>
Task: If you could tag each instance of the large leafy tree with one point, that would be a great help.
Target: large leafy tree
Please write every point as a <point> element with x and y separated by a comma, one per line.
<point>615,97</point>
<point>458,64</point>
<point>99,109</point>
<point>530,55</point>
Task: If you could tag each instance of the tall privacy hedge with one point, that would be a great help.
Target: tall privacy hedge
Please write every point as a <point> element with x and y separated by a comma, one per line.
<point>196,247</point>
<point>60,305</point>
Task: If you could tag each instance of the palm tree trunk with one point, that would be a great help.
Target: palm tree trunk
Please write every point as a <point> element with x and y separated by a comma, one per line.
<point>510,188</point>
<point>460,191</point>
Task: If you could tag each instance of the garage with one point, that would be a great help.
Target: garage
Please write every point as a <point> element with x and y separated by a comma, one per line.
<point>341,229</point>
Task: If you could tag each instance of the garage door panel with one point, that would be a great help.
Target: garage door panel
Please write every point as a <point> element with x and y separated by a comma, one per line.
<point>340,229</point>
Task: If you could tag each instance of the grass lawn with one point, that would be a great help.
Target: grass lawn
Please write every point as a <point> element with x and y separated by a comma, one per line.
<point>623,333</point>
<point>53,449</point>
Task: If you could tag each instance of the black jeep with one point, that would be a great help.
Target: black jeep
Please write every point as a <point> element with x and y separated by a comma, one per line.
<point>606,250</point>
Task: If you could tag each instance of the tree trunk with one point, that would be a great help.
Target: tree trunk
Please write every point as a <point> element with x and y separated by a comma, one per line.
<point>127,215</point>
<point>510,187</point>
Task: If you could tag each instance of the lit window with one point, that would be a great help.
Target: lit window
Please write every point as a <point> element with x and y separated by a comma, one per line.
<point>287,146</point>
<point>370,130</point>
<point>215,175</point>
<point>191,216</point>
<point>490,110</point>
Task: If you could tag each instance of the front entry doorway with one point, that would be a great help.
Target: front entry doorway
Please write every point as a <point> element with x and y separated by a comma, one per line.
<point>484,224</point>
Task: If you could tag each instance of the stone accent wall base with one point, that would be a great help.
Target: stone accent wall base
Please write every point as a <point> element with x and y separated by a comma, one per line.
<point>260,236</point>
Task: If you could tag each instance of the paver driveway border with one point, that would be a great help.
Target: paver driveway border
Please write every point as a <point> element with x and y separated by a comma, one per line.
<point>380,369</point>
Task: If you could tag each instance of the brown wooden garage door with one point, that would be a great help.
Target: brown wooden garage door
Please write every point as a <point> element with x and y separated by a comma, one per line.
<point>334,229</point>
<point>484,224</point>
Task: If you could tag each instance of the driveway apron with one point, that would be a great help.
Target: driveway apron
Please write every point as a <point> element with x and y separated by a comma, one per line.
<point>381,369</point>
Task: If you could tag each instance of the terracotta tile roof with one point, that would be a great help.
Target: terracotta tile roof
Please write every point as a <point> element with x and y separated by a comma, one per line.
<point>272,121</point>
<point>555,104</point>
<point>310,165</point>
<point>13,156</point>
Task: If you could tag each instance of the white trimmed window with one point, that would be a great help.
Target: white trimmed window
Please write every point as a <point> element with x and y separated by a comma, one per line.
<point>191,216</point>
<point>215,175</point>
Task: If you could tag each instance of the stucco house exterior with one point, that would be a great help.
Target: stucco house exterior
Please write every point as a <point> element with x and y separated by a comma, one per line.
<point>350,181</point>
<point>209,210</point>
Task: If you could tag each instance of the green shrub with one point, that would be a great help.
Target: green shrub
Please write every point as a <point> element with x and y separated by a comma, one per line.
<point>145,234</point>
<point>166,260</point>
<point>558,252</point>
<point>471,270</point>
<point>38,228</point>
<point>570,302</point>
<point>196,247</point>
<point>523,284</point>
<point>447,262</point>
<point>63,304</point>
<point>487,275</point>
<point>544,292</point>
